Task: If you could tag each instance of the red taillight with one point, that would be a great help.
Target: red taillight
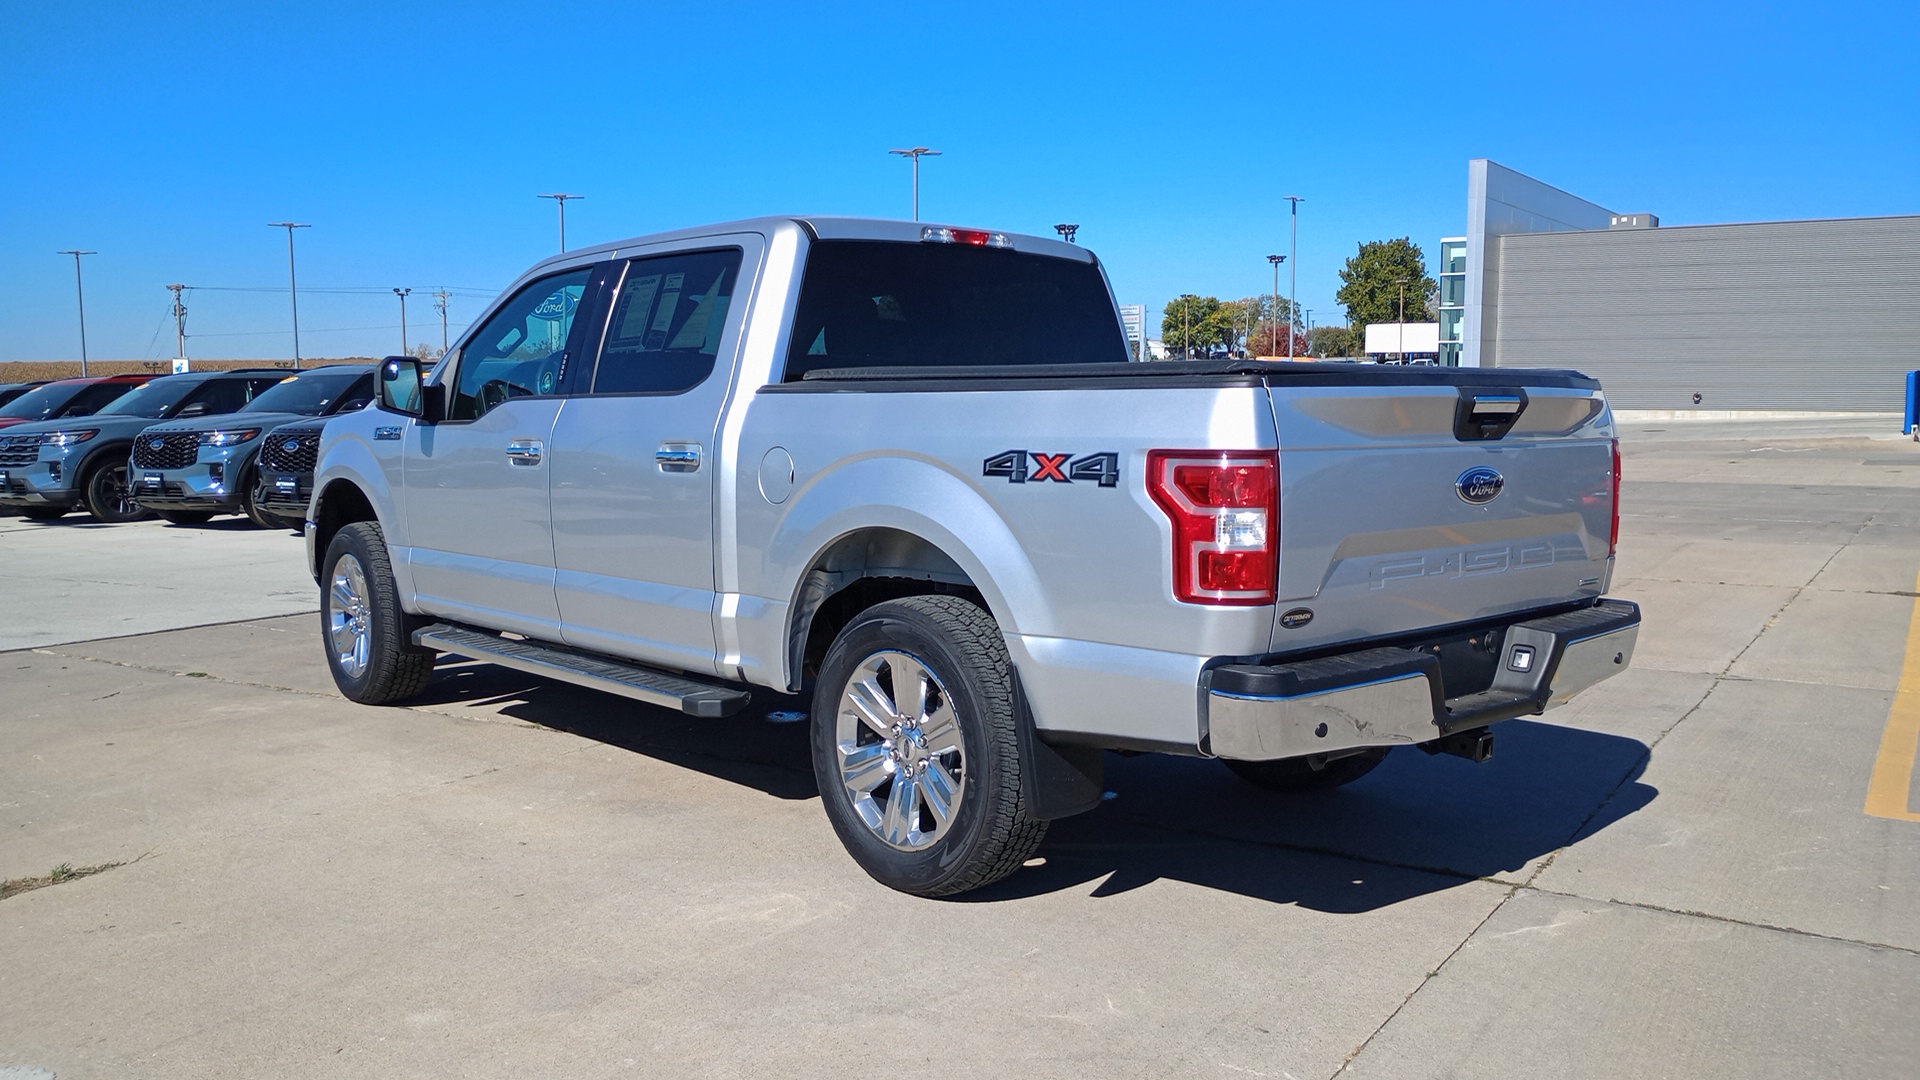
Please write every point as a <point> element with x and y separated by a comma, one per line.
<point>1613,539</point>
<point>1225,509</point>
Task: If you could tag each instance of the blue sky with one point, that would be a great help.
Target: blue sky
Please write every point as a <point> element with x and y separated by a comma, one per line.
<point>415,137</point>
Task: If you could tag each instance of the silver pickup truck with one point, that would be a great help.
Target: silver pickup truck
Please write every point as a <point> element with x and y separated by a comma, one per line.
<point>907,468</point>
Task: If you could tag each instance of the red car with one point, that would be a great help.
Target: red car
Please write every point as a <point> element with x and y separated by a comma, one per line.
<point>68,397</point>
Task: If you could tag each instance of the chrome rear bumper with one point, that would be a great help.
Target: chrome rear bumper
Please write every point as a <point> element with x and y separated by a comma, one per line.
<point>1394,697</point>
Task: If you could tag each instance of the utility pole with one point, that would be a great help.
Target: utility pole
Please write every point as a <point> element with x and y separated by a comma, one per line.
<point>561,198</point>
<point>1066,232</point>
<point>402,294</point>
<point>179,329</point>
<point>916,154</point>
<point>440,305</point>
<point>1276,260</point>
<point>81,292</point>
<point>293,284</point>
<point>1294,289</point>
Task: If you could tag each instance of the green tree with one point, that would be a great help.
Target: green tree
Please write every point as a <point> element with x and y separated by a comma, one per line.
<point>1335,341</point>
<point>1374,280</point>
<point>1191,325</point>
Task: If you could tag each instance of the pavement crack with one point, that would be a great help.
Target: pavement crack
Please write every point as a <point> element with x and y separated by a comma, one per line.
<point>1729,919</point>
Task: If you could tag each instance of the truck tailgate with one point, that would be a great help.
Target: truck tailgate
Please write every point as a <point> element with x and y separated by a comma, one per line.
<point>1407,503</point>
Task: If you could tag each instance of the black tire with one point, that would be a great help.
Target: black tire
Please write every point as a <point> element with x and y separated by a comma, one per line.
<point>373,659</point>
<point>251,509</point>
<point>185,517</point>
<point>110,496</point>
<point>1297,776</point>
<point>988,832</point>
<point>43,513</point>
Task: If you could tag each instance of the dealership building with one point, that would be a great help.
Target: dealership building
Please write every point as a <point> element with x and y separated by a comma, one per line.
<point>1816,316</point>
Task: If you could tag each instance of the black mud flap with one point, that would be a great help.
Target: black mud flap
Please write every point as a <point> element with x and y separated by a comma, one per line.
<point>1056,781</point>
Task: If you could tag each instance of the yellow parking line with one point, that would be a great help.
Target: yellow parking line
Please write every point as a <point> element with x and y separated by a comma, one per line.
<point>1890,791</point>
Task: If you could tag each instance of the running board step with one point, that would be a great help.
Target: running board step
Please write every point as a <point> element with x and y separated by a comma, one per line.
<point>586,669</point>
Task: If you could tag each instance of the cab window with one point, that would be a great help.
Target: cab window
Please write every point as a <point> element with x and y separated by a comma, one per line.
<point>518,352</point>
<point>668,314</point>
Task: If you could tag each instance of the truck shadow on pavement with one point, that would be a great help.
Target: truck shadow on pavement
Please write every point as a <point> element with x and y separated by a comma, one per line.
<point>1415,825</point>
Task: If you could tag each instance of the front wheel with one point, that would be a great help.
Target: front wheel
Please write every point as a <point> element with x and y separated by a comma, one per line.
<point>364,629</point>
<point>110,497</point>
<point>916,751</point>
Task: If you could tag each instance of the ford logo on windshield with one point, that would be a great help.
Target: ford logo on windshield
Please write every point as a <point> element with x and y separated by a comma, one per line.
<point>1480,485</point>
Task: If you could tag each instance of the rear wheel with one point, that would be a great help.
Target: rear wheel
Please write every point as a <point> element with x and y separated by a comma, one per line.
<point>43,513</point>
<point>915,747</point>
<point>185,517</point>
<point>369,650</point>
<point>110,497</point>
<point>1297,776</point>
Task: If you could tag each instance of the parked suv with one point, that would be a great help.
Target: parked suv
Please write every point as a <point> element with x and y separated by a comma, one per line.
<point>190,470</point>
<point>285,484</point>
<point>53,466</point>
<point>9,391</point>
<point>67,397</point>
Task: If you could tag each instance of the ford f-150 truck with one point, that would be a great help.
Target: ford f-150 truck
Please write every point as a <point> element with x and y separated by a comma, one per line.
<point>907,468</point>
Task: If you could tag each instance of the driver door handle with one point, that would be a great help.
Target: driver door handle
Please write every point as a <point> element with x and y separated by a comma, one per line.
<point>524,452</point>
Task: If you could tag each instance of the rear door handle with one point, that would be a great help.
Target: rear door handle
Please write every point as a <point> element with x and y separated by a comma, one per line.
<point>524,452</point>
<point>678,457</point>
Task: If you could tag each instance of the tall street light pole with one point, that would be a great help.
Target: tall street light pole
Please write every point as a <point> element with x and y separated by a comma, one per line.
<point>1401,338</point>
<point>440,305</point>
<point>1294,288</point>
<point>80,292</point>
<point>916,154</point>
<point>293,283</point>
<point>560,198</point>
<point>1276,260</point>
<point>402,294</point>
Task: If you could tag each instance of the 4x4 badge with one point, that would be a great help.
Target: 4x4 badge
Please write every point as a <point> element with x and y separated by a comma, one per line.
<point>1102,469</point>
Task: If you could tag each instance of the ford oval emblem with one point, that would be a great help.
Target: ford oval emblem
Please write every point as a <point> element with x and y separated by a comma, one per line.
<point>159,444</point>
<point>1480,485</point>
<point>293,444</point>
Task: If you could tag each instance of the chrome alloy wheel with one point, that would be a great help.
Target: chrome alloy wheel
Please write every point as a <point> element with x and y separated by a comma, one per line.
<point>901,757</point>
<point>349,617</point>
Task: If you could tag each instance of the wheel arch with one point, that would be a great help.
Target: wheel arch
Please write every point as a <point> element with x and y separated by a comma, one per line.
<point>340,503</point>
<point>857,570</point>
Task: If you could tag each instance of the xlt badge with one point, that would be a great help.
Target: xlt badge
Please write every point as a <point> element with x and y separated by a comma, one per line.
<point>1102,469</point>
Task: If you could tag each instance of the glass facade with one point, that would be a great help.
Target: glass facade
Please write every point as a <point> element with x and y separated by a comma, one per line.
<point>1453,297</point>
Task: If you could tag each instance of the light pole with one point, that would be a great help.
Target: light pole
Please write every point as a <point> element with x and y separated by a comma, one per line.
<point>402,294</point>
<point>80,292</point>
<point>916,154</point>
<point>293,284</point>
<point>1276,260</point>
<point>1066,231</point>
<point>1401,338</point>
<point>560,198</point>
<point>1294,288</point>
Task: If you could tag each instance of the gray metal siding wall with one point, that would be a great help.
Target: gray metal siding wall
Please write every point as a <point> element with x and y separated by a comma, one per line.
<point>1803,315</point>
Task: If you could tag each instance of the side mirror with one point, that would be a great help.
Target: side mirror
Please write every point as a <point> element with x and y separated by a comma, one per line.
<point>402,387</point>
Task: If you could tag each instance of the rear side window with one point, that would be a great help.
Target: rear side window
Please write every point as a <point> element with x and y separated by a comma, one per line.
<point>884,304</point>
<point>217,396</point>
<point>667,317</point>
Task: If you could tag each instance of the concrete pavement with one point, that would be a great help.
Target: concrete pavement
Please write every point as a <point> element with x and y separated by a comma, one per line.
<point>1673,876</point>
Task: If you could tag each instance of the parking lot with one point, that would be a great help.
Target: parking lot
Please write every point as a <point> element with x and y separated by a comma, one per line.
<point>1707,866</point>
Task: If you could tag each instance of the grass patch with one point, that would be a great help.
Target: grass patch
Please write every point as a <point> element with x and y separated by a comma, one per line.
<point>63,873</point>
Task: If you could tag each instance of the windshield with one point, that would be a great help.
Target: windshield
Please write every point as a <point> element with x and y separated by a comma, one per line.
<point>41,403</point>
<point>153,399</point>
<point>308,395</point>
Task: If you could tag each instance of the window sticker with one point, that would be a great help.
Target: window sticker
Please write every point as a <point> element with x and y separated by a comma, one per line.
<point>640,293</point>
